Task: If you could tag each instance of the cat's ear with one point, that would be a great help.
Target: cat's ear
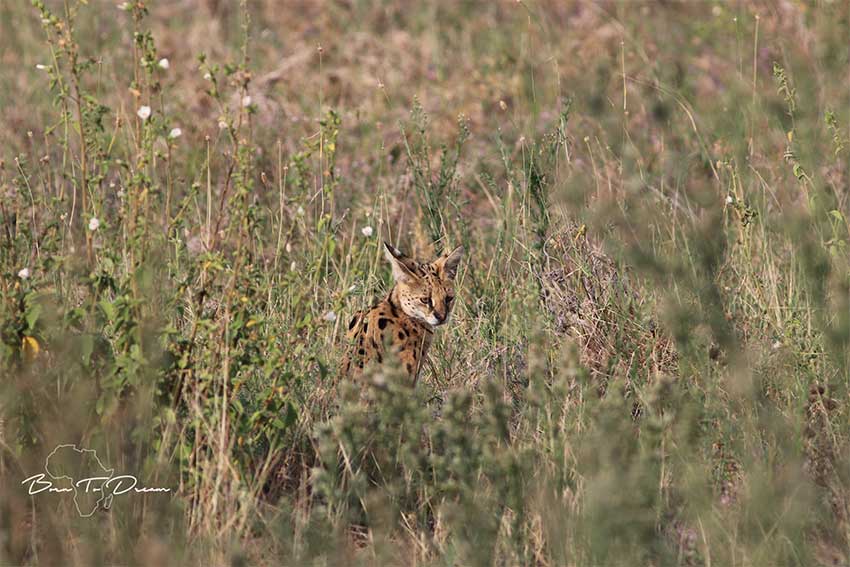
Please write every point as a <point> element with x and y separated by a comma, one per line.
<point>448,263</point>
<point>401,264</point>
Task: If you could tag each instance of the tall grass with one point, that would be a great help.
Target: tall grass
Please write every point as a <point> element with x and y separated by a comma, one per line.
<point>648,359</point>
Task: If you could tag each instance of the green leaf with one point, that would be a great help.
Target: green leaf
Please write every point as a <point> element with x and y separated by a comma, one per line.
<point>86,348</point>
<point>32,315</point>
<point>291,415</point>
<point>108,309</point>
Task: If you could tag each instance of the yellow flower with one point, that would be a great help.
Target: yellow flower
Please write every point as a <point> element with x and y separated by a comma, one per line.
<point>30,348</point>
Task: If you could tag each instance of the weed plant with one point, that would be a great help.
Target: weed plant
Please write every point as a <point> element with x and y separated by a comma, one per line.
<point>649,358</point>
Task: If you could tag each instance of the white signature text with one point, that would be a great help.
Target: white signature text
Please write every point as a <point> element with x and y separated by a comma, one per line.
<point>115,485</point>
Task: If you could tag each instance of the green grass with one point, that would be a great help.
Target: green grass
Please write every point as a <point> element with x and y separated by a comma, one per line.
<point>648,359</point>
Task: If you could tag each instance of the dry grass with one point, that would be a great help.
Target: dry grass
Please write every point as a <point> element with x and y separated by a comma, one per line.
<point>648,361</point>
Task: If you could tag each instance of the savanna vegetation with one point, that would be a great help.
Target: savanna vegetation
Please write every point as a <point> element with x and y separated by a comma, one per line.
<point>648,361</point>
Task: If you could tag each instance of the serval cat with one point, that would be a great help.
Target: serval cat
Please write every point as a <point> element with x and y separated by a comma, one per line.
<point>404,321</point>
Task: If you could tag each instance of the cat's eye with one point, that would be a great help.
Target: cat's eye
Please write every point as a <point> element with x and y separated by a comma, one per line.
<point>426,301</point>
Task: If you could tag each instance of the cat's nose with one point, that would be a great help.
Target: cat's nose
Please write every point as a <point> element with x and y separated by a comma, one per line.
<point>441,317</point>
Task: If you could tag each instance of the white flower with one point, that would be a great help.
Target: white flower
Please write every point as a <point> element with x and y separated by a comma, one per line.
<point>246,101</point>
<point>729,199</point>
<point>300,211</point>
<point>222,124</point>
<point>24,273</point>
<point>366,231</point>
<point>94,224</point>
<point>123,6</point>
<point>144,112</point>
<point>41,67</point>
<point>292,266</point>
<point>163,63</point>
<point>352,289</point>
<point>330,316</point>
<point>175,133</point>
<point>208,76</point>
<point>288,248</point>
<point>777,345</point>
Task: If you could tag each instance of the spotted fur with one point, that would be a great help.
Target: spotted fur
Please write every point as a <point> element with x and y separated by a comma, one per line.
<point>404,321</point>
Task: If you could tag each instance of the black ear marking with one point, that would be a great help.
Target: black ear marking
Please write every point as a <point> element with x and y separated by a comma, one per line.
<point>404,269</point>
<point>392,249</point>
